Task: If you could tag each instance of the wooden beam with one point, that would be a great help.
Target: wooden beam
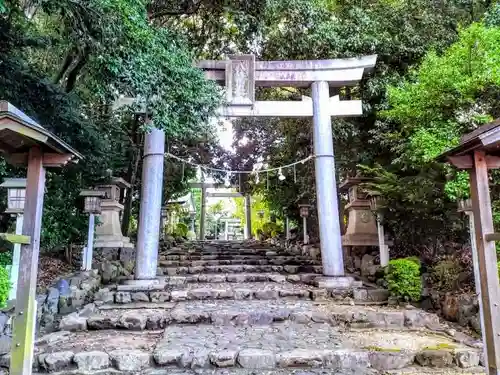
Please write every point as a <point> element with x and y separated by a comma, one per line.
<point>24,322</point>
<point>49,159</point>
<point>492,237</point>
<point>304,108</point>
<point>16,238</point>
<point>487,259</point>
<point>467,161</point>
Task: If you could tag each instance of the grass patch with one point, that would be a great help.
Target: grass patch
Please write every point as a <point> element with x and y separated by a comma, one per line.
<point>441,346</point>
<point>373,348</point>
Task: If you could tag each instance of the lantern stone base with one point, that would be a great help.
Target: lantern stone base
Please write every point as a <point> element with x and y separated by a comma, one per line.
<point>363,239</point>
<point>142,283</point>
<point>337,282</point>
<point>107,241</point>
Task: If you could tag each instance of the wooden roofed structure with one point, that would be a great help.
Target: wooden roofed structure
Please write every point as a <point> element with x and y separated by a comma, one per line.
<point>24,142</point>
<point>477,152</point>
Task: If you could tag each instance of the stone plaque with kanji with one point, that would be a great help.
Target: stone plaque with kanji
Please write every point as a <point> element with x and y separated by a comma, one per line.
<point>240,79</point>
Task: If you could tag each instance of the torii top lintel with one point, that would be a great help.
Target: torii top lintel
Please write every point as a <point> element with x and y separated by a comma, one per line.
<point>300,73</point>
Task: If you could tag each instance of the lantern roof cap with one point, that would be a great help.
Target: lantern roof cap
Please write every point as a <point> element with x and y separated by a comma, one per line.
<point>116,181</point>
<point>10,183</point>
<point>19,132</point>
<point>92,193</point>
<point>353,181</point>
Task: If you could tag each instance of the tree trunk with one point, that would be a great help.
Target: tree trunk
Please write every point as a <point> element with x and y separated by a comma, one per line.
<point>133,168</point>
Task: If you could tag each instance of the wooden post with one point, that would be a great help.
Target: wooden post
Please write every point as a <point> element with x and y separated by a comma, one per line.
<point>487,260</point>
<point>203,211</point>
<point>25,312</point>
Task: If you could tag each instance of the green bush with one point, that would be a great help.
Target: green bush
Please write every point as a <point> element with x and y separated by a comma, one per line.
<point>445,274</point>
<point>181,230</point>
<point>6,258</point>
<point>403,279</point>
<point>270,229</point>
<point>4,286</point>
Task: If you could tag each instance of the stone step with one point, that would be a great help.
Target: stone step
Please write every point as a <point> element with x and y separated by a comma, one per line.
<point>228,253</point>
<point>251,262</point>
<point>233,257</point>
<point>305,278</point>
<point>149,316</point>
<point>283,345</point>
<point>172,271</point>
<point>168,370</point>
<point>214,291</point>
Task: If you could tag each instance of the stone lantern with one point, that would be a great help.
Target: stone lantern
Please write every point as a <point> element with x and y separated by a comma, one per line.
<point>362,230</point>
<point>92,206</point>
<point>304,214</point>
<point>109,233</point>
<point>16,193</point>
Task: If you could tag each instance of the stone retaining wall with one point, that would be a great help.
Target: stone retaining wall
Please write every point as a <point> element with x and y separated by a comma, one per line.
<point>460,308</point>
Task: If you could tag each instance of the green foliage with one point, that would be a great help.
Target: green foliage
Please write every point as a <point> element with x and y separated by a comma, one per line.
<point>4,286</point>
<point>403,279</point>
<point>181,230</point>
<point>438,102</point>
<point>6,258</point>
<point>67,64</point>
<point>445,273</point>
<point>258,204</point>
<point>271,229</point>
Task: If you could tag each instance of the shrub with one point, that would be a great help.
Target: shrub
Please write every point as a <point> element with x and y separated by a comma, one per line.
<point>403,279</point>
<point>181,230</point>
<point>4,286</point>
<point>6,258</point>
<point>270,229</point>
<point>445,273</point>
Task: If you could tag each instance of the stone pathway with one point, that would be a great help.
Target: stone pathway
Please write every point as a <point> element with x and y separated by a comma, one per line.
<point>244,308</point>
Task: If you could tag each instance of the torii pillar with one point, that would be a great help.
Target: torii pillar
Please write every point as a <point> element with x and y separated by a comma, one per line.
<point>241,74</point>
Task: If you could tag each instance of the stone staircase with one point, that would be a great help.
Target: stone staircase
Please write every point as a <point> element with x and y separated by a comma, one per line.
<point>245,308</point>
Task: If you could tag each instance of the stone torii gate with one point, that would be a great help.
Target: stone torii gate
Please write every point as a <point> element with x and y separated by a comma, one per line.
<point>204,195</point>
<point>241,74</point>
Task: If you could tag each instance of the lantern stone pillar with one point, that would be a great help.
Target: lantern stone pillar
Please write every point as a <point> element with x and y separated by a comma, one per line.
<point>150,210</point>
<point>109,233</point>
<point>248,216</point>
<point>92,207</point>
